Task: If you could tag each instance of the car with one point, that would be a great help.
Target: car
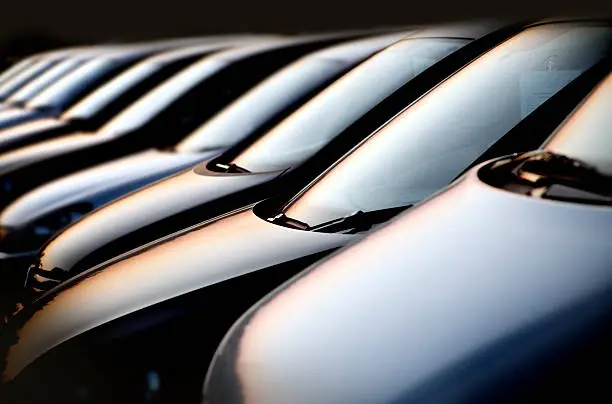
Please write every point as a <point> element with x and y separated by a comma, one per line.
<point>173,299</point>
<point>110,61</point>
<point>30,220</point>
<point>214,187</point>
<point>15,68</point>
<point>103,103</point>
<point>496,289</point>
<point>159,118</point>
<point>39,65</point>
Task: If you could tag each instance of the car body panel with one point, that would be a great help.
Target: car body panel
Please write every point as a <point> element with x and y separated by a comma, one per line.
<point>98,184</point>
<point>267,102</point>
<point>183,198</point>
<point>410,312</point>
<point>256,244</point>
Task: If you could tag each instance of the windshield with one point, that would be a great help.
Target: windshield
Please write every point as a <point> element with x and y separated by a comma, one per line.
<point>431,142</point>
<point>162,96</point>
<point>311,127</point>
<point>585,134</point>
<point>253,109</point>
<point>44,80</point>
<point>23,77</point>
<point>97,100</point>
<point>15,69</point>
<point>65,89</point>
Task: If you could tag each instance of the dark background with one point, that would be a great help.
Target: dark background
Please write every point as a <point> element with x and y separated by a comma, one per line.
<point>29,26</point>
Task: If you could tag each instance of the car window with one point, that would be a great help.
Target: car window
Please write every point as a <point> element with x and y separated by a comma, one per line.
<point>311,127</point>
<point>240,118</point>
<point>431,142</point>
<point>162,96</point>
<point>68,87</point>
<point>99,98</point>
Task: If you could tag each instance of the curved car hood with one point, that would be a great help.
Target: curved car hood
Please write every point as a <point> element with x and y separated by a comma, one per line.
<point>30,154</point>
<point>220,249</point>
<point>85,185</point>
<point>29,130</point>
<point>159,200</point>
<point>420,299</point>
<point>15,116</point>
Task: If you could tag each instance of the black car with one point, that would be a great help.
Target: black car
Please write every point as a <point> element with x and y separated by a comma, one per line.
<point>286,157</point>
<point>159,118</point>
<point>495,290</point>
<point>159,311</point>
<point>33,218</point>
<point>40,65</point>
<point>102,104</point>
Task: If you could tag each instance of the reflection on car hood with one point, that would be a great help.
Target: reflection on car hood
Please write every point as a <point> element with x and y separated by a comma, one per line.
<point>26,155</point>
<point>220,249</point>
<point>15,116</point>
<point>28,130</point>
<point>134,211</point>
<point>88,184</point>
<point>415,311</point>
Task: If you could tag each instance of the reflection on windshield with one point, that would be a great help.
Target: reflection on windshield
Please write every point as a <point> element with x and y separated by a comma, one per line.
<point>44,80</point>
<point>430,143</point>
<point>100,98</point>
<point>162,96</point>
<point>61,93</point>
<point>258,105</point>
<point>325,116</point>
<point>23,77</point>
<point>585,135</point>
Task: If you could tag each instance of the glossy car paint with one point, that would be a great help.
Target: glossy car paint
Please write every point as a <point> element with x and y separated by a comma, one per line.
<point>260,107</point>
<point>239,255</point>
<point>181,103</point>
<point>101,105</point>
<point>479,294</point>
<point>192,196</point>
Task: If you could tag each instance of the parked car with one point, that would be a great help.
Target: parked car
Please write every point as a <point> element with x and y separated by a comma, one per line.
<point>159,118</point>
<point>72,87</point>
<point>496,289</point>
<point>215,187</point>
<point>41,64</point>
<point>184,291</point>
<point>15,68</point>
<point>101,105</point>
<point>33,218</point>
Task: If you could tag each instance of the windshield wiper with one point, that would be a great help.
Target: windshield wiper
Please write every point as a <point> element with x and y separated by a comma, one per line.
<point>231,168</point>
<point>358,221</point>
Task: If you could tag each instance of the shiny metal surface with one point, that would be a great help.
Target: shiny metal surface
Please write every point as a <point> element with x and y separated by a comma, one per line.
<point>161,199</point>
<point>28,130</point>
<point>100,184</point>
<point>206,258</point>
<point>174,195</point>
<point>21,157</point>
<point>389,318</point>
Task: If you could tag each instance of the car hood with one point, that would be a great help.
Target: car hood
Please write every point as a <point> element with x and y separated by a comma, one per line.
<point>155,202</point>
<point>417,310</point>
<point>220,249</point>
<point>24,156</point>
<point>15,116</point>
<point>92,184</point>
<point>28,131</point>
